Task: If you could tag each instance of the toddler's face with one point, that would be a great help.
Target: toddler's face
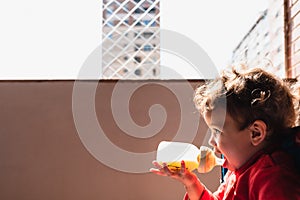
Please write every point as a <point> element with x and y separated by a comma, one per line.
<point>227,139</point>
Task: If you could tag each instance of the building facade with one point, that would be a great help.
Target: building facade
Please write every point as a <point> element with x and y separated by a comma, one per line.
<point>293,37</point>
<point>263,46</point>
<point>131,39</point>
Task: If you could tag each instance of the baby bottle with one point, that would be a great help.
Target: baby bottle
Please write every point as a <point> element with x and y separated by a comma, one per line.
<point>172,153</point>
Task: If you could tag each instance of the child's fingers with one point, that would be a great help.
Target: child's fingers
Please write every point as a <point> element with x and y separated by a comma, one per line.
<point>166,169</point>
<point>157,171</point>
<point>161,169</point>
<point>182,169</point>
<point>156,164</point>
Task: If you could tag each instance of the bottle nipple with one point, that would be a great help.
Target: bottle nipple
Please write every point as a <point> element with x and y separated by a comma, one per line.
<point>207,160</point>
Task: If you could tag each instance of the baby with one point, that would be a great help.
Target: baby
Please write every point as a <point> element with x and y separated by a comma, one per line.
<point>249,115</point>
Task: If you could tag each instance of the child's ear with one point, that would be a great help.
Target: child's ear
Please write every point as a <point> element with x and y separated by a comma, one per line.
<point>258,132</point>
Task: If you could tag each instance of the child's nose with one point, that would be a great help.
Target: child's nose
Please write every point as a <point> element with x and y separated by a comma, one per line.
<point>212,141</point>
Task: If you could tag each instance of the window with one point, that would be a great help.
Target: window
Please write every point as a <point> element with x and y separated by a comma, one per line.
<point>137,47</point>
<point>152,10</point>
<point>146,22</point>
<point>147,34</point>
<point>138,59</point>
<point>266,34</point>
<point>147,47</point>
<point>138,72</point>
<point>138,11</point>
<point>278,49</point>
<point>154,71</point>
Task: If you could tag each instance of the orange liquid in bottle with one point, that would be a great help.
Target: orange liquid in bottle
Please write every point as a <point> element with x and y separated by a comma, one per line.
<point>176,166</point>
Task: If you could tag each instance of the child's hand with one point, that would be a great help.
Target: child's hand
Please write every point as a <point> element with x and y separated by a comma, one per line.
<point>186,177</point>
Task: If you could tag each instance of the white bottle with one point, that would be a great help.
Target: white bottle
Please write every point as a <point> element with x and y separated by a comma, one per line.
<point>172,153</point>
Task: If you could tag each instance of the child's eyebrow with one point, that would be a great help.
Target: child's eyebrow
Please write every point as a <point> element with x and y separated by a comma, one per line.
<point>216,126</point>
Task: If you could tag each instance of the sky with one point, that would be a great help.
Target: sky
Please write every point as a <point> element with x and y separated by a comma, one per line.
<point>232,19</point>
<point>216,26</point>
<point>42,39</point>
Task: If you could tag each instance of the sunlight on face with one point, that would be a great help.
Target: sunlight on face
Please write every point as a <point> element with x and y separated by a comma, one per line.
<point>227,139</point>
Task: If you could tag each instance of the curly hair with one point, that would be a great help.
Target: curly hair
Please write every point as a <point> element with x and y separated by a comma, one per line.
<point>252,95</point>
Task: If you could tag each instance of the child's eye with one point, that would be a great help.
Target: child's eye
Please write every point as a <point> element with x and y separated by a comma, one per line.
<point>216,131</point>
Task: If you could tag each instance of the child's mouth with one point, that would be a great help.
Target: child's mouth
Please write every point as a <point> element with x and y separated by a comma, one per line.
<point>217,151</point>
<point>225,164</point>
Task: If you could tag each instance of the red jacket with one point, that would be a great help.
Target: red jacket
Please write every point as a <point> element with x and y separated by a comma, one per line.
<point>263,177</point>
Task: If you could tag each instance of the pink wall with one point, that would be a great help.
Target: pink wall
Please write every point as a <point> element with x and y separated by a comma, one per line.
<point>42,156</point>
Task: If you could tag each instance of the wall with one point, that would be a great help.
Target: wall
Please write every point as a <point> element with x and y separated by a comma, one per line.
<point>293,37</point>
<point>42,156</point>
